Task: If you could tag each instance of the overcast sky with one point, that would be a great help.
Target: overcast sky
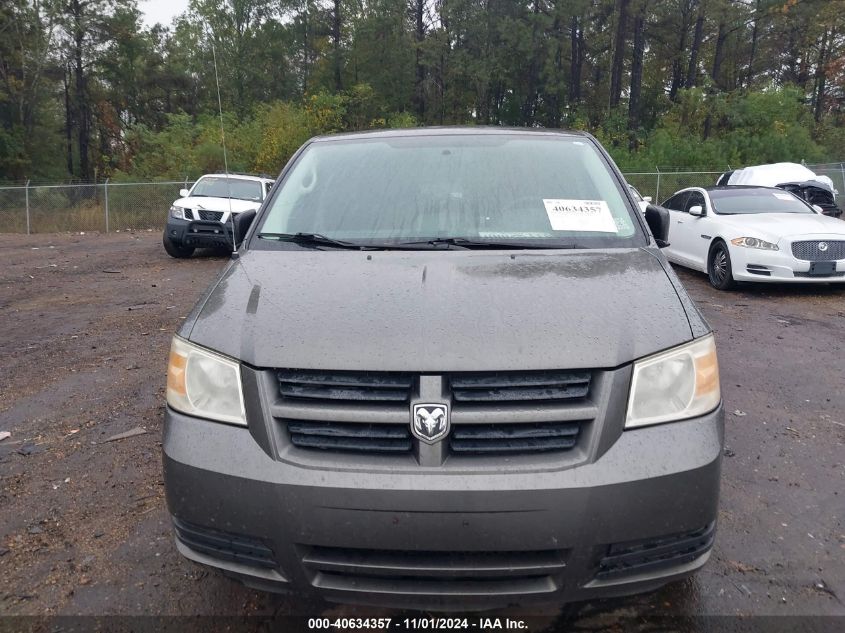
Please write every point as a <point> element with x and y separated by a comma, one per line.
<point>162,11</point>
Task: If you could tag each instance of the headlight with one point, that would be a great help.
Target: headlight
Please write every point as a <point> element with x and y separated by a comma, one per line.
<point>204,384</point>
<point>177,212</point>
<point>753,242</point>
<point>675,385</point>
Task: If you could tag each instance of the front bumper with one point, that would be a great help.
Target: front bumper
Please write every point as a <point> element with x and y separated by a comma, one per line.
<point>751,264</point>
<point>199,233</point>
<point>435,538</point>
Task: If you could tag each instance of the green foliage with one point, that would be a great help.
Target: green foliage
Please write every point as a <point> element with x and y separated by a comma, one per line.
<point>703,131</point>
<point>87,91</point>
<point>286,126</point>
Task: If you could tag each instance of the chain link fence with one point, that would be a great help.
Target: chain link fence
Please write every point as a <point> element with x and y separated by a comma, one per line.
<point>834,171</point>
<point>86,207</point>
<point>660,185</point>
<point>120,206</point>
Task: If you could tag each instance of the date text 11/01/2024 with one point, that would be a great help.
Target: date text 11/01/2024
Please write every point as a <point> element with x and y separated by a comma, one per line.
<point>481,624</point>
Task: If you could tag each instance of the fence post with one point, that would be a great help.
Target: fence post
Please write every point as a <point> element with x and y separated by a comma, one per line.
<point>27,206</point>
<point>657,193</point>
<point>106,196</point>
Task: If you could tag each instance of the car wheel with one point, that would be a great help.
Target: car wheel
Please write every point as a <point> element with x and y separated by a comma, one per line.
<point>176,250</point>
<point>719,269</point>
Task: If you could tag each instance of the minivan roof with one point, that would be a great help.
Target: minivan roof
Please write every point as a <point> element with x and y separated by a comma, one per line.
<point>451,131</point>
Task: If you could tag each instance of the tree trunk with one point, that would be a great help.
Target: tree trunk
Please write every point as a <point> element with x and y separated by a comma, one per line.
<point>336,34</point>
<point>575,61</point>
<point>719,56</point>
<point>83,122</point>
<point>754,34</point>
<point>677,68</point>
<point>636,76</point>
<point>529,106</point>
<point>554,116</point>
<point>618,63</point>
<point>692,69</point>
<point>821,75</point>
<point>68,120</point>
<point>306,55</point>
<point>419,35</point>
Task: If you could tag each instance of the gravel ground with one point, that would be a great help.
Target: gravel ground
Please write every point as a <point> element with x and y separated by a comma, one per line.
<point>87,321</point>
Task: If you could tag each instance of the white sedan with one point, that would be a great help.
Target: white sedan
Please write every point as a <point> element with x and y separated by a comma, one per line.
<point>737,233</point>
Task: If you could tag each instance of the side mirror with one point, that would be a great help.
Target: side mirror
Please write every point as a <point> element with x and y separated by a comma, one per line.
<point>696,210</point>
<point>657,219</point>
<point>241,223</point>
<point>184,193</point>
<point>818,209</point>
<point>647,198</point>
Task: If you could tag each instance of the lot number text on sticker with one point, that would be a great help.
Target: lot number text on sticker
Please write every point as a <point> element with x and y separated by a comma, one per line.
<point>580,215</point>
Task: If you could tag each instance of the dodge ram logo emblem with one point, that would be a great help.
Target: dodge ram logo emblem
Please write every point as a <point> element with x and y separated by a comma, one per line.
<point>430,422</point>
<point>822,246</point>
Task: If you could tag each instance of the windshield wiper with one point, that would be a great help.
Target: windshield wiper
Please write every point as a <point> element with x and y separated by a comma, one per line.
<point>464,242</point>
<point>310,239</point>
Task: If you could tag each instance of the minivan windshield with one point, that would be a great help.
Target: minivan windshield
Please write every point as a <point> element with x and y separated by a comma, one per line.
<point>222,187</point>
<point>763,200</point>
<point>501,190</point>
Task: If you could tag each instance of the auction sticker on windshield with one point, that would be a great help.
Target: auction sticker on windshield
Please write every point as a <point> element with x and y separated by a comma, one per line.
<point>580,215</point>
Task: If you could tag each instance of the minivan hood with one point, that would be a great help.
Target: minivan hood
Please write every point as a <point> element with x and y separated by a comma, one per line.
<point>439,311</point>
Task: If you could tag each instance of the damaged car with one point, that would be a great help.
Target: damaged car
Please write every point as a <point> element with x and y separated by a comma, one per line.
<point>817,190</point>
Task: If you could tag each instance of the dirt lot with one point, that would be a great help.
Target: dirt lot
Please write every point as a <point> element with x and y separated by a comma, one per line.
<point>86,324</point>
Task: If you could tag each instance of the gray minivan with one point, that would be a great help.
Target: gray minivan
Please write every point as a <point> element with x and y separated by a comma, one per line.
<point>448,368</point>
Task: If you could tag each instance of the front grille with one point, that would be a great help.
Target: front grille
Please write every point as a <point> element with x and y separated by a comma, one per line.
<point>808,250</point>
<point>809,276</point>
<point>345,385</point>
<point>519,386</point>
<point>224,545</point>
<point>338,436</point>
<point>519,413</point>
<point>635,557</point>
<point>189,215</point>
<point>487,439</point>
<point>213,216</point>
<point>434,572</point>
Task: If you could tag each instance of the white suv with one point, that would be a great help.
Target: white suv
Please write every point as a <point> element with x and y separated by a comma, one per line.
<point>201,218</point>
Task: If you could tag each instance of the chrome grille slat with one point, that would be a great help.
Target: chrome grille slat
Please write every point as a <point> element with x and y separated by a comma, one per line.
<point>388,431</point>
<point>514,431</point>
<point>483,413</point>
<point>337,385</point>
<point>539,438</point>
<point>362,438</point>
<point>343,393</point>
<point>519,386</point>
<point>360,412</point>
